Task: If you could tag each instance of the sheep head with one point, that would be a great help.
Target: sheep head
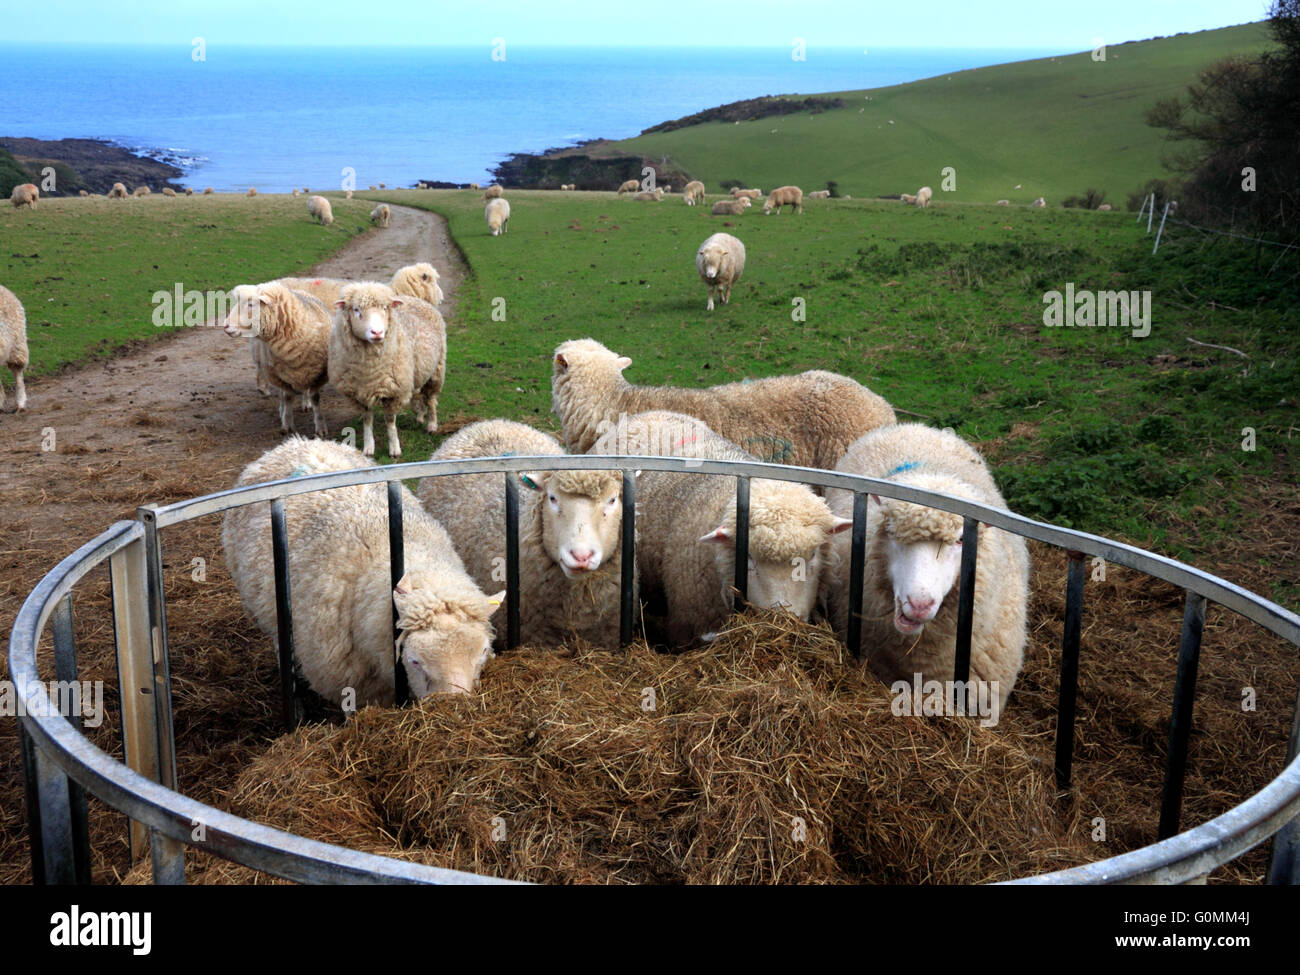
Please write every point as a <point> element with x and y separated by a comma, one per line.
<point>367,309</point>
<point>582,517</point>
<point>446,637</point>
<point>244,316</point>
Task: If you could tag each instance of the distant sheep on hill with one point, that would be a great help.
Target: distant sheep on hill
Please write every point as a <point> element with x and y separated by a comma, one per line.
<point>142,191</point>
<point>320,210</point>
<point>819,195</point>
<point>784,196</point>
<point>380,214</point>
<point>25,195</point>
<point>497,214</point>
<point>252,191</point>
<point>694,193</point>
<point>923,196</point>
<point>732,208</point>
<point>629,186</point>
<point>493,192</point>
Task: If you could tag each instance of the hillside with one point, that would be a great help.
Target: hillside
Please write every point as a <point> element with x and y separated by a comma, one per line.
<point>1054,126</point>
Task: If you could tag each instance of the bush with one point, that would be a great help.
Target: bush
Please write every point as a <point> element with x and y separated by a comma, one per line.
<point>1164,189</point>
<point>1090,200</point>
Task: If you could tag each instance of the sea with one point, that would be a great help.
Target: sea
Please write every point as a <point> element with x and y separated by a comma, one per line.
<point>279,117</point>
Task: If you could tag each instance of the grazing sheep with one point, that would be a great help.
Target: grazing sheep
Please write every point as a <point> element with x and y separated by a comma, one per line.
<point>252,191</point>
<point>570,533</point>
<point>737,193</point>
<point>189,191</point>
<point>414,281</point>
<point>923,196</point>
<point>784,196</point>
<point>686,545</point>
<point>380,214</point>
<point>118,192</point>
<point>296,330</point>
<point>568,186</point>
<point>694,193</point>
<point>1040,202</point>
<point>25,195</point>
<point>908,198</point>
<point>808,420</point>
<point>1104,206</point>
<point>493,192</point>
<point>1004,203</point>
<point>208,191</point>
<point>629,186</point>
<point>386,350</point>
<point>913,563</point>
<point>168,191</point>
<point>342,587</point>
<point>13,343</point>
<point>497,214</point>
<point>142,191</point>
<point>819,195</point>
<point>320,210</point>
<point>720,262</point>
<point>655,194</point>
<point>474,186</point>
<point>731,208</point>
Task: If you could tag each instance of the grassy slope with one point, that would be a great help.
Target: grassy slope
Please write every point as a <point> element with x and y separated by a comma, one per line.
<point>1055,126</point>
<point>940,311</point>
<point>86,269</point>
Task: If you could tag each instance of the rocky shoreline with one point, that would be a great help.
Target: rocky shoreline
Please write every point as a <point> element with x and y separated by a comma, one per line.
<point>93,165</point>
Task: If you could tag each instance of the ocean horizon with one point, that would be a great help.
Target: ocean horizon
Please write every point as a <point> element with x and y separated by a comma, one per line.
<point>277,117</point>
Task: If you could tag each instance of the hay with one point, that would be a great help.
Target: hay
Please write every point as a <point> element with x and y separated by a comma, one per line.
<point>767,732</point>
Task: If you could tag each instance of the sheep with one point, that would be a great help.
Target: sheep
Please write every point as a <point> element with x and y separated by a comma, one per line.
<point>168,191</point>
<point>189,191</point>
<point>568,186</point>
<point>380,214</point>
<point>655,194</point>
<point>342,589</point>
<point>208,191</point>
<point>497,214</point>
<point>668,187</point>
<point>809,419</point>
<point>296,330</point>
<point>731,208</point>
<point>1003,203</point>
<point>320,210</point>
<point>908,198</point>
<point>570,533</point>
<point>306,191</point>
<point>629,186</point>
<point>383,186</point>
<point>686,545</point>
<point>82,193</point>
<point>737,193</point>
<point>493,192</point>
<point>386,350</point>
<point>474,186</point>
<point>295,191</point>
<point>13,343</point>
<point>1040,203</point>
<point>923,196</point>
<point>1104,206</point>
<point>819,195</point>
<point>913,563</point>
<point>25,195</point>
<point>720,262</point>
<point>252,191</point>
<point>142,191</point>
<point>118,192</point>
<point>694,193</point>
<point>783,196</point>
<point>413,280</point>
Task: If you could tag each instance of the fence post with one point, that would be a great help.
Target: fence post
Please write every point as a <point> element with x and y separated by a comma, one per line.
<point>283,615</point>
<point>742,543</point>
<point>1180,720</point>
<point>397,569</point>
<point>857,567</point>
<point>512,562</point>
<point>1163,216</point>
<point>627,592</point>
<point>1069,688</point>
<point>966,599</point>
<point>65,671</point>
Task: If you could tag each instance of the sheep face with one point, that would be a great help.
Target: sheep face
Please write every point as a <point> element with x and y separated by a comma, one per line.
<point>582,516</point>
<point>922,549</point>
<point>368,321</point>
<point>245,316</point>
<point>444,642</point>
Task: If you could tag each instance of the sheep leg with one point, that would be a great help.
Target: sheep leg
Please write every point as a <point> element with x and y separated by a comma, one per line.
<point>431,399</point>
<point>20,391</point>
<point>368,433</point>
<point>726,294</point>
<point>321,429</point>
<point>709,307</point>
<point>286,412</point>
<point>390,421</point>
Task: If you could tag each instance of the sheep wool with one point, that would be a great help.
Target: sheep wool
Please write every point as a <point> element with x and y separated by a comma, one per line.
<point>380,214</point>
<point>320,210</point>
<point>497,214</point>
<point>694,193</point>
<point>784,196</point>
<point>807,420</point>
<point>25,195</point>
<point>13,343</point>
<point>720,262</point>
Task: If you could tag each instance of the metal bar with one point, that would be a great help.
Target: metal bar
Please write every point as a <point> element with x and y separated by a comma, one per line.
<point>32,795</point>
<point>1069,689</point>
<point>162,683</point>
<point>1163,217</point>
<point>65,671</point>
<point>1151,212</point>
<point>128,575</point>
<point>742,543</point>
<point>857,571</point>
<point>168,859</point>
<point>397,560</point>
<point>1284,861</point>
<point>289,711</point>
<point>1143,207</point>
<point>966,599</point>
<point>1180,721</point>
<point>627,594</point>
<point>56,822</point>
<point>512,562</point>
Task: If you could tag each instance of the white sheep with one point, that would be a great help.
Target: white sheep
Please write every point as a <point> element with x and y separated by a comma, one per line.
<point>720,262</point>
<point>497,214</point>
<point>474,186</point>
<point>908,198</point>
<point>753,194</point>
<point>413,280</point>
<point>1104,206</point>
<point>189,191</point>
<point>1040,203</point>
<point>923,196</point>
<point>296,191</point>
<point>493,192</point>
<point>629,186</point>
<point>731,208</point>
<point>809,419</point>
<point>252,191</point>
<point>784,196</point>
<point>1003,203</point>
<point>142,191</point>
<point>819,195</point>
<point>686,529</point>
<point>380,214</point>
<point>913,563</point>
<point>341,585</point>
<point>13,343</point>
<point>694,193</point>
<point>25,195</point>
<point>655,194</point>
<point>208,191</point>
<point>387,350</point>
<point>318,207</point>
<point>570,533</point>
<point>168,191</point>
<point>295,328</point>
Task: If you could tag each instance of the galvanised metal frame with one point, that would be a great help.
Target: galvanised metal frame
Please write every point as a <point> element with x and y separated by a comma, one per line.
<point>60,765</point>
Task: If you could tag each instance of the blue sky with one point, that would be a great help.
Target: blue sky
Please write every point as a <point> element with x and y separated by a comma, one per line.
<point>1069,25</point>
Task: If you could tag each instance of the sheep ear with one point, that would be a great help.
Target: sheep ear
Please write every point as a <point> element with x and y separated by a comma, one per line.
<point>340,303</point>
<point>496,600</point>
<point>719,534</point>
<point>623,362</point>
<point>839,525</point>
<point>561,363</point>
<point>400,589</point>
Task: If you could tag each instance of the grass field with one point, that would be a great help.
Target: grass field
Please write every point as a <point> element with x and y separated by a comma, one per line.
<point>940,311</point>
<point>1053,126</point>
<point>111,257</point>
